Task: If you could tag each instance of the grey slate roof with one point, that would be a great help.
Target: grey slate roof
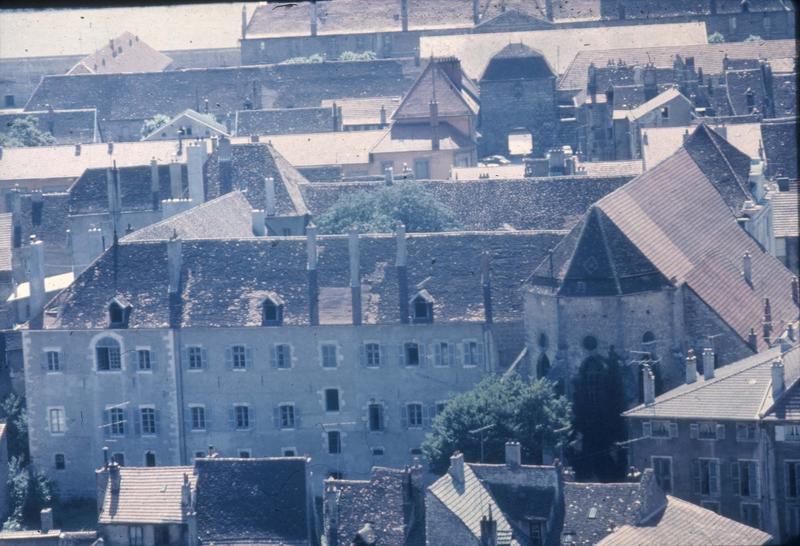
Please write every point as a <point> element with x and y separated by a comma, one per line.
<point>517,61</point>
<point>89,193</point>
<point>125,53</point>
<point>261,501</point>
<point>227,216</point>
<point>146,495</point>
<point>780,146</point>
<point>66,126</point>
<point>786,212</point>
<point>225,281</point>
<point>284,121</point>
<point>436,82</point>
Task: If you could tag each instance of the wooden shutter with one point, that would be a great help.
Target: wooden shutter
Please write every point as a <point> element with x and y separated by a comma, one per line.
<point>152,360</point>
<point>106,423</point>
<point>720,431</point>
<point>229,358</point>
<point>185,358</point>
<point>481,355</point>
<point>248,358</point>
<point>362,355</point>
<point>251,416</point>
<point>232,417</point>
<point>187,419</point>
<point>713,477</point>
<point>695,471</point>
<point>208,417</point>
<point>273,356</point>
<point>204,357</point>
<point>673,430</point>
<point>404,416</point>
<point>452,348</point>
<point>437,354</point>
<point>297,418</point>
<point>423,352</point>
<point>384,356</point>
<point>694,431</point>
<point>735,477</point>
<point>401,355</point>
<point>647,429</point>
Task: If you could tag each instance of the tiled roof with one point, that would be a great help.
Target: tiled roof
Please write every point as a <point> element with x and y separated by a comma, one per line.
<point>284,121</point>
<point>784,94</point>
<point>709,57</point>
<point>559,46</point>
<point>66,126</point>
<point>53,228</point>
<point>225,281</point>
<point>685,524</point>
<point>739,83</point>
<point>656,102</point>
<point>365,111</point>
<point>780,146</point>
<point>434,82</point>
<point>417,137</point>
<point>651,9</point>
<point>741,390</point>
<point>227,216</point>
<point>339,148</point>
<point>146,495</point>
<point>681,215</point>
<point>5,242</point>
<point>258,501</point>
<point>787,407</point>
<point>192,115</point>
<point>661,142</point>
<point>125,53</point>
<point>785,207</point>
<point>735,6</point>
<point>489,204</point>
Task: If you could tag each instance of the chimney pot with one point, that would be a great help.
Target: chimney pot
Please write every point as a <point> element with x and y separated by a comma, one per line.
<point>708,363</point>
<point>311,246</point>
<point>404,14</point>
<point>752,340</point>
<point>383,115</point>
<point>513,454</point>
<point>388,176</point>
<point>46,516</point>
<point>456,469</point>
<point>649,385</point>
<point>691,367</point>
<point>778,378</point>
<point>311,266</point>
<point>77,149</point>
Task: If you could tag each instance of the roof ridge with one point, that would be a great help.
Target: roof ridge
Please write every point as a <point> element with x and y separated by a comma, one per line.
<point>608,249</point>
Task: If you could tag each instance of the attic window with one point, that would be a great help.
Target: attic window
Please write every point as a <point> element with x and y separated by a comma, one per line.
<point>272,311</point>
<point>422,308</point>
<point>665,112</point>
<point>118,313</point>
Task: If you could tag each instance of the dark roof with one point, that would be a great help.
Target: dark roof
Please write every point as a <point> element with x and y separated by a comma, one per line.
<point>780,146</point>
<point>517,62</point>
<point>89,193</point>
<point>787,407</point>
<point>237,273</point>
<point>740,83</point>
<point>653,9</point>
<point>125,53</point>
<point>434,82</point>
<point>253,500</point>
<point>284,121</point>
<point>66,126</point>
<point>54,222</point>
<point>492,204</point>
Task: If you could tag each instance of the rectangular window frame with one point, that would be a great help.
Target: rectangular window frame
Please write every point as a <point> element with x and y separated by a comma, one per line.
<point>753,506</point>
<point>743,432</point>
<point>471,358</point>
<point>326,400</point>
<point>325,356</point>
<point>197,418</point>
<point>116,422</point>
<point>144,360</point>
<point>151,420</point>
<point>380,420</point>
<point>136,535</point>
<point>658,477</point>
<point>196,357</point>
<point>239,357</point>
<point>52,356</point>
<point>242,417</point>
<point>282,353</point>
<point>787,478</point>
<point>419,409</point>
<point>60,420</point>
<point>287,416</point>
<point>372,354</point>
<point>407,347</point>
<point>333,438</point>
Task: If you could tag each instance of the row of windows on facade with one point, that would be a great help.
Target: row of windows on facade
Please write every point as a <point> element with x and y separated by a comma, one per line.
<point>710,430</point>
<point>108,356</point>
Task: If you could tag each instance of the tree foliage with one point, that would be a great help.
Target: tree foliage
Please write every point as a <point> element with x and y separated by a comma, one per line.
<point>358,56</point>
<point>154,123</point>
<point>530,413</point>
<point>24,132</point>
<point>753,38</point>
<point>716,38</point>
<point>315,58</point>
<point>16,417</point>
<point>381,209</point>
<point>28,493</point>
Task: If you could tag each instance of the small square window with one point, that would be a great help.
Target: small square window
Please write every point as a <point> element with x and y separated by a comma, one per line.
<point>245,454</point>
<point>289,452</point>
<point>378,451</point>
<point>60,461</point>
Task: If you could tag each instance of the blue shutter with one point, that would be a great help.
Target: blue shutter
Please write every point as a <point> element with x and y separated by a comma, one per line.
<point>362,355</point>
<point>673,430</point>
<point>481,354</point>
<point>106,423</point>
<point>647,429</point>
<point>185,358</point>
<point>276,416</point>
<point>423,354</point>
<point>735,477</point>
<point>452,348</point>
<point>204,364</point>
<point>208,416</point>
<point>137,422</point>
<point>431,415</point>
<point>251,414</point>
<point>273,356</point>
<point>404,416</point>
<point>384,352</point>
<point>401,355</point>
<point>248,358</point>
<point>713,477</point>
<point>437,354</point>
<point>157,420</point>
<point>153,360</point>
<point>229,358</point>
<point>232,417</point>
<point>694,431</point>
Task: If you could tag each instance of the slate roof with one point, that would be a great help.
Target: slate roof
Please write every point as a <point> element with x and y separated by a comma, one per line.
<point>787,408</point>
<point>339,148</point>
<point>66,126</point>
<point>785,207</point>
<point>681,216</point>
<point>227,216</point>
<point>513,20</point>
<point>89,194</point>
<point>366,111</point>
<point>709,57</point>
<point>284,121</point>
<point>491,204</point>
<point>682,523</point>
<point>434,82</point>
<point>224,281</point>
<point>128,54</point>
<point>656,102</point>
<point>515,62</point>
<point>780,146</point>
<point>5,242</point>
<point>784,94</point>
<point>261,501</point>
<point>53,228</point>
<point>146,495</point>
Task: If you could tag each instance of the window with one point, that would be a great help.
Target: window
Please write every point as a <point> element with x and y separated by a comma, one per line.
<point>416,451</point>
<point>117,421</point>
<point>272,312</point>
<point>287,415</point>
<point>751,514</point>
<point>107,354</point>
<point>198,417</point>
<point>238,357</point>
<point>422,309</point>
<point>792,479</point>
<point>57,422</point>
<point>282,356</point>
<point>241,417</point>
<point>443,353</point>
<point>378,451</point>
<point>665,112</point>
<point>329,356</point>
<point>9,101</point>
<point>60,461</point>
<point>707,430</point>
<point>473,354</point>
<point>116,314</point>
<point>662,468</point>
<point>590,343</point>
<point>663,429</point>
<point>373,355</point>
<point>289,451</point>
<point>375,417</point>
<point>732,23</point>
<point>196,358</point>
<point>537,536</point>
<point>331,399</point>
<point>199,454</point>
<point>411,354</point>
<point>135,536</point>
<point>334,442</point>
<point>150,459</point>
<point>148,417</point>
<point>439,407</point>
<point>705,477</point>
<point>746,432</point>
<point>791,433</point>
<point>118,458</point>
<point>245,454</point>
<point>422,169</point>
<point>744,476</point>
<point>414,415</point>
<point>53,361</point>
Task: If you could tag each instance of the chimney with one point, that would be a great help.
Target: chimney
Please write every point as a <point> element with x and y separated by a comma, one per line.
<point>269,196</point>
<point>311,267</point>
<point>46,517</point>
<point>488,530</point>
<point>434,108</point>
<point>650,82</point>
<point>383,116</point>
<point>513,454</point>
<point>402,273</point>
<point>747,268</point>
<point>259,227</point>
<point>355,281</point>
<point>649,385</point>
<point>113,475</point>
<point>338,120</point>
<point>752,340</point>
<point>214,144</point>
<point>313,17</point>
<point>77,149</point>
<point>175,179</point>
<point>94,237</point>
<point>404,14</point>
<point>36,300</point>
<point>388,176</point>
<point>456,469</point>
<point>486,282</point>
<point>244,21</point>
<point>767,324</point>
<point>691,367</point>
<point>778,379</point>
<point>476,15</point>
<point>174,259</point>
<point>708,363</point>
<point>195,159</point>
<point>110,148</point>
<point>186,492</point>
<point>155,184</point>
<point>795,291</point>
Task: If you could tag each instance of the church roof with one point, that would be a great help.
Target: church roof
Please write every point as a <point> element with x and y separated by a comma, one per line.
<point>434,83</point>
<point>517,62</point>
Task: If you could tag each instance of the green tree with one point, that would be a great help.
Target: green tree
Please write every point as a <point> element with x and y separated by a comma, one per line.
<point>753,38</point>
<point>154,123</point>
<point>25,132</point>
<point>356,56</point>
<point>379,210</point>
<point>315,58</point>
<point>599,402</point>
<point>29,492</point>
<point>716,38</point>
<point>530,413</point>
<point>16,416</point>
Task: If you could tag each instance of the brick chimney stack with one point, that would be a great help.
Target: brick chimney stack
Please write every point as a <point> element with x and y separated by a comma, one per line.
<point>269,196</point>
<point>313,17</point>
<point>404,14</point>
<point>311,269</point>
<point>649,385</point>
<point>155,184</point>
<point>434,111</point>
<point>488,530</point>
<point>355,276</point>
<point>513,454</point>
<point>691,367</point>
<point>259,227</point>
<point>36,277</point>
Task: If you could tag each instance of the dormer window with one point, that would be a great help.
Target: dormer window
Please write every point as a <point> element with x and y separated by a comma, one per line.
<point>272,311</point>
<point>118,313</point>
<point>422,307</point>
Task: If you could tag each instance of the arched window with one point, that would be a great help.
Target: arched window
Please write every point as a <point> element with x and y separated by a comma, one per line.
<point>108,356</point>
<point>272,311</point>
<point>590,343</point>
<point>542,366</point>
